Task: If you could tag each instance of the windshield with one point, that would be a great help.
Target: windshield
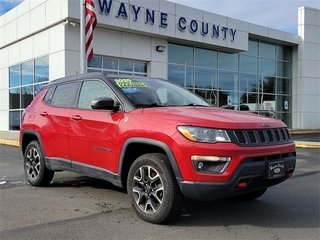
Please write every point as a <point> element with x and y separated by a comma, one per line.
<point>151,92</point>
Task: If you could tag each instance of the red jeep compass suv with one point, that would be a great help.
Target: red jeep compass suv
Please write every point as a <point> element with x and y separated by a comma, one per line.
<point>156,139</point>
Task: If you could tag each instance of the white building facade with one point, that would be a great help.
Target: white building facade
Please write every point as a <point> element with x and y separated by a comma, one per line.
<point>224,60</point>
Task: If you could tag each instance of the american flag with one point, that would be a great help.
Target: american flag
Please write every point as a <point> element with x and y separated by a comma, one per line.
<point>91,22</point>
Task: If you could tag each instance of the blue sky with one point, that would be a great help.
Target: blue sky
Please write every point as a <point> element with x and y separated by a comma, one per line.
<point>6,5</point>
<point>277,14</point>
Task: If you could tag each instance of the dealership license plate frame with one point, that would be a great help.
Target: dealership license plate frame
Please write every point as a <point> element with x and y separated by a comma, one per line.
<point>272,169</point>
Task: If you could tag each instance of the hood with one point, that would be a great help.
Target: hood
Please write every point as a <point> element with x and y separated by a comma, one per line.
<point>213,117</point>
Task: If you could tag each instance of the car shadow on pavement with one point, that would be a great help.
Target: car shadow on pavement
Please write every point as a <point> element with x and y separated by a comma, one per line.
<point>262,212</point>
<point>83,181</point>
<point>273,210</point>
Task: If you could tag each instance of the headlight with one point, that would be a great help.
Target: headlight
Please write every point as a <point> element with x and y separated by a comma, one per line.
<point>201,134</point>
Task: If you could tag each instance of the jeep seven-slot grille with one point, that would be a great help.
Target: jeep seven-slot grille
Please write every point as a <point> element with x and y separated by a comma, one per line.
<point>260,137</point>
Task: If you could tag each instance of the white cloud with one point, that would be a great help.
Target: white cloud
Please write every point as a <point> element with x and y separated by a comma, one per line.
<point>277,14</point>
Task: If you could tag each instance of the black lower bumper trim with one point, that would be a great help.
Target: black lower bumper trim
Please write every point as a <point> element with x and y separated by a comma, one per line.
<point>252,174</point>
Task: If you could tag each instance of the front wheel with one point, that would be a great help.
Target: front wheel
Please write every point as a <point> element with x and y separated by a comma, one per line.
<point>34,167</point>
<point>152,188</point>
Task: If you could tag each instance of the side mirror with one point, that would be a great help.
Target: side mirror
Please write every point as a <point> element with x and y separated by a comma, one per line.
<point>105,103</point>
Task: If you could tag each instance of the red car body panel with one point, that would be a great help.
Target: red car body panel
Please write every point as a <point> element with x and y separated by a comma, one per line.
<point>94,134</point>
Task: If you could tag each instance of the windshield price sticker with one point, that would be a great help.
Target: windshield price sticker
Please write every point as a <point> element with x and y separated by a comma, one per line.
<point>276,169</point>
<point>129,83</point>
<point>130,90</point>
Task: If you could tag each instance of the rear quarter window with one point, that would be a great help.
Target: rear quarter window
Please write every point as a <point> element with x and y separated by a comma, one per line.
<point>48,96</point>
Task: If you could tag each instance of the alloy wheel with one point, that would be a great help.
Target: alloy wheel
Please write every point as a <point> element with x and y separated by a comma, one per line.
<point>148,190</point>
<point>33,163</point>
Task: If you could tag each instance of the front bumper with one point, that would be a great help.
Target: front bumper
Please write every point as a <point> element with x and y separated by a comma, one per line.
<point>251,175</point>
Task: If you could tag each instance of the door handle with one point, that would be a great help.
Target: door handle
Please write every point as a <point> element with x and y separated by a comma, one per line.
<point>76,117</point>
<point>44,114</point>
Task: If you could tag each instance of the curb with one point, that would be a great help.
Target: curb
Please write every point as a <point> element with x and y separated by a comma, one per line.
<point>303,145</point>
<point>9,142</point>
<point>297,132</point>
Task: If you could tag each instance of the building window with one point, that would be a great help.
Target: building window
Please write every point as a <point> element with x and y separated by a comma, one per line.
<point>25,81</point>
<point>260,78</point>
<point>267,50</point>
<point>14,76</point>
<point>179,54</point>
<point>117,66</point>
<point>228,61</point>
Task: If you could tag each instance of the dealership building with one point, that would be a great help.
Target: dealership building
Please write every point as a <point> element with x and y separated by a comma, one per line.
<point>227,61</point>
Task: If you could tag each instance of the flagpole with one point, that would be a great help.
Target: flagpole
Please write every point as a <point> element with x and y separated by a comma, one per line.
<point>83,60</point>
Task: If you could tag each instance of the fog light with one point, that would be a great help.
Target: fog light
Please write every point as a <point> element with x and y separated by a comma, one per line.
<point>210,164</point>
<point>200,165</point>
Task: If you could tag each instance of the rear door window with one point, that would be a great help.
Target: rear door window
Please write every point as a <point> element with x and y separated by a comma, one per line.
<point>64,95</point>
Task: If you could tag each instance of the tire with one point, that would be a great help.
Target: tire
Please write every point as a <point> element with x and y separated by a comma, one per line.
<point>153,189</point>
<point>252,195</point>
<point>34,167</point>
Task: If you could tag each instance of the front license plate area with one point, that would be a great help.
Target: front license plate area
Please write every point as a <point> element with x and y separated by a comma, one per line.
<point>276,169</point>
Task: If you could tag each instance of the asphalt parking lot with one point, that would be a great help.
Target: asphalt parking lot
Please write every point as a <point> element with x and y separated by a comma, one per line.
<point>78,207</point>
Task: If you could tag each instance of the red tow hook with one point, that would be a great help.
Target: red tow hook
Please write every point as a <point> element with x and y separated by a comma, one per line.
<point>289,174</point>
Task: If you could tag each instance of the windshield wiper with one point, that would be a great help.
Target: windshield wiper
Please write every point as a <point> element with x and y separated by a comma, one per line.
<point>197,105</point>
<point>173,105</point>
<point>148,105</point>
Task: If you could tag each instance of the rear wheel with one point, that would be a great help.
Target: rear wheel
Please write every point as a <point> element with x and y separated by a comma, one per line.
<point>152,188</point>
<point>34,167</point>
<point>252,195</point>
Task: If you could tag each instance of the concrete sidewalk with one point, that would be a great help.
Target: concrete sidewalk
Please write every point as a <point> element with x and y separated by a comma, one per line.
<point>302,138</point>
<point>10,138</point>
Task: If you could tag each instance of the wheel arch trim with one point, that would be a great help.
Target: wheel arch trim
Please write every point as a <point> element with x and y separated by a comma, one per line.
<point>153,142</point>
<point>36,134</point>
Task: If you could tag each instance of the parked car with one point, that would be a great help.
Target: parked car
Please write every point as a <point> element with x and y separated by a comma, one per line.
<point>156,139</point>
